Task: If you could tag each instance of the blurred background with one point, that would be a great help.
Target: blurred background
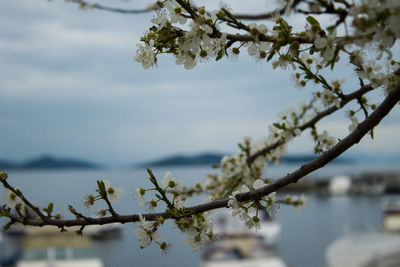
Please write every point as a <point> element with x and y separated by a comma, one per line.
<point>75,107</point>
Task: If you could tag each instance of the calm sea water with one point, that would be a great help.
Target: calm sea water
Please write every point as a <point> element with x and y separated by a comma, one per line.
<point>304,237</point>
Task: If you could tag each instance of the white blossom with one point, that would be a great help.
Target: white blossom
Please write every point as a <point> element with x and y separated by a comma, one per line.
<point>113,194</point>
<point>172,6</point>
<point>258,184</point>
<point>145,55</point>
<point>161,20</point>
<point>11,199</point>
<point>354,124</point>
<point>169,180</point>
<point>139,194</point>
<point>144,232</point>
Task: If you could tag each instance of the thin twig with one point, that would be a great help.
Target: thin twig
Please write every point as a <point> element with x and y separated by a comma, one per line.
<point>311,123</point>
<point>85,4</point>
<point>22,197</point>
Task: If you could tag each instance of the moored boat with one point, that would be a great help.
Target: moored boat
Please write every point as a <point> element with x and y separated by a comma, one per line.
<point>364,249</point>
<point>238,246</point>
<point>47,247</point>
<point>391,216</point>
<point>239,249</point>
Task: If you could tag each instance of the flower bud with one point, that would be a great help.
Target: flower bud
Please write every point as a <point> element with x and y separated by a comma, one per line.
<point>3,176</point>
<point>203,53</point>
<point>142,191</point>
<point>256,219</point>
<point>254,31</point>
<point>178,10</point>
<point>110,191</point>
<point>202,11</point>
<point>102,213</point>
<point>160,4</point>
<point>153,203</point>
<point>163,245</point>
<point>89,200</point>
<point>171,184</point>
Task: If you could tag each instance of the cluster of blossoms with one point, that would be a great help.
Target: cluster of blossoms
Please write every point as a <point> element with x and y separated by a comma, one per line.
<point>198,228</point>
<point>248,212</point>
<point>286,129</point>
<point>323,141</point>
<point>171,186</point>
<point>12,200</point>
<point>188,46</point>
<point>298,202</point>
<point>235,171</point>
<point>379,19</point>
<point>328,98</point>
<point>105,192</point>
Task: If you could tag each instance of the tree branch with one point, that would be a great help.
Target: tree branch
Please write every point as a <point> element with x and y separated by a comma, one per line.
<point>363,128</point>
<point>311,123</point>
<point>155,6</point>
<point>85,4</point>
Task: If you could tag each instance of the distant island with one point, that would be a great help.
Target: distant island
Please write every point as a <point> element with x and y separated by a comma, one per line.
<point>215,158</point>
<point>48,162</point>
<point>185,160</point>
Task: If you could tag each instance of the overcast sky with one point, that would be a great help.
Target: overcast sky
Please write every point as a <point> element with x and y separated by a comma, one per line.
<point>69,87</point>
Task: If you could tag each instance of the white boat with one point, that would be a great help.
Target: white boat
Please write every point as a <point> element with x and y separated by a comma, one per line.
<point>224,223</point>
<point>364,250</point>
<point>105,231</point>
<point>240,249</point>
<point>391,216</point>
<point>112,230</point>
<point>238,246</point>
<point>47,247</point>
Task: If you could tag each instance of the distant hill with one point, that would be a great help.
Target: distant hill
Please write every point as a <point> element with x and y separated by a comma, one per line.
<point>6,165</point>
<point>215,158</point>
<point>185,160</point>
<point>48,162</point>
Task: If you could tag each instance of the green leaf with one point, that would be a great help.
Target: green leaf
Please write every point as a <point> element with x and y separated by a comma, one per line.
<point>79,232</point>
<point>49,209</point>
<point>277,125</point>
<point>312,20</point>
<point>228,14</point>
<point>271,55</point>
<point>219,55</point>
<point>241,147</point>
<point>285,25</point>
<point>7,226</point>
<point>4,213</point>
<point>152,178</point>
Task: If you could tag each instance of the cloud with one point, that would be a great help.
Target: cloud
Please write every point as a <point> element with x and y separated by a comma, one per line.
<point>69,86</point>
